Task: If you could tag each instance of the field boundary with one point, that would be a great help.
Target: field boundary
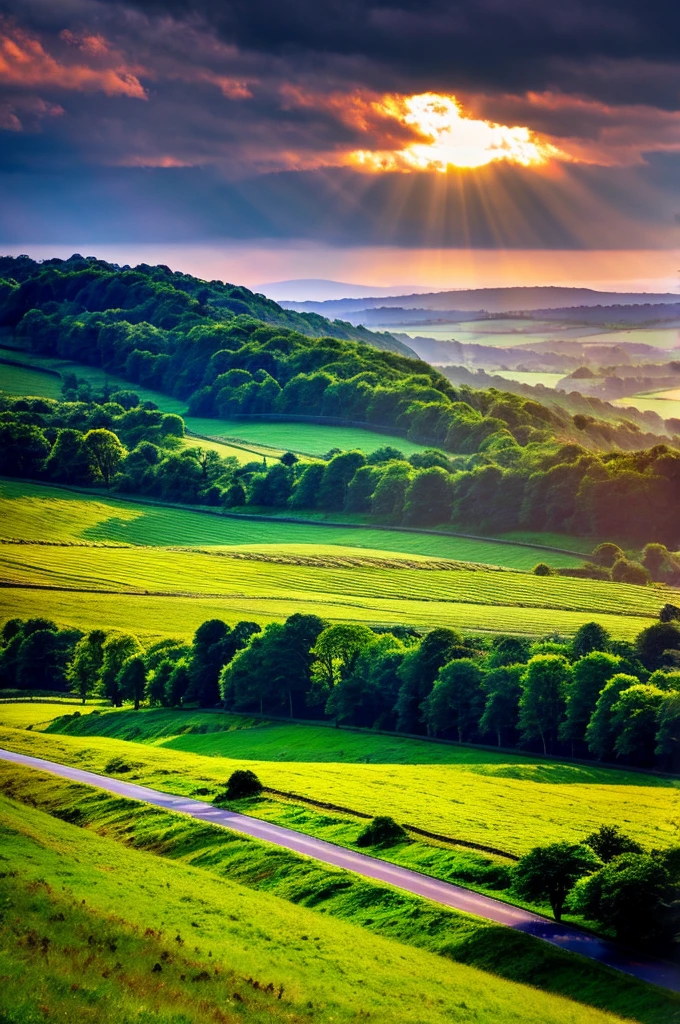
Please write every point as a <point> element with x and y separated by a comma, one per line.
<point>254,517</point>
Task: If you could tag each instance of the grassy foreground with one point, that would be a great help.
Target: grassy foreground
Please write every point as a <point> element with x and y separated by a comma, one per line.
<point>495,800</point>
<point>235,907</point>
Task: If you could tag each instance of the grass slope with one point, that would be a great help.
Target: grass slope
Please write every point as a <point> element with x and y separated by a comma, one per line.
<point>286,947</point>
<point>26,507</point>
<point>23,381</point>
<point>507,802</point>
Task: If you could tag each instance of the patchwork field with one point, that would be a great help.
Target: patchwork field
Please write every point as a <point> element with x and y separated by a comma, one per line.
<point>25,508</point>
<point>503,801</point>
<point>233,917</point>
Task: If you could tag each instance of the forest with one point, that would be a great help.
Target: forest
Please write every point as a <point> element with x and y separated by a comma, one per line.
<point>554,472</point>
<point>588,696</point>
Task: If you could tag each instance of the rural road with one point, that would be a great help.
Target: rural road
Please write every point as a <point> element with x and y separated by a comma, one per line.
<point>657,972</point>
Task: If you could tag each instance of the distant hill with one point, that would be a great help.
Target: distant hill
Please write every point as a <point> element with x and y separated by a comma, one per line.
<point>491,300</point>
<point>318,289</point>
<point>98,285</point>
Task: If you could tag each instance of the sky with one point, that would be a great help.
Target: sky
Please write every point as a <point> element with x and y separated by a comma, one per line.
<point>376,141</point>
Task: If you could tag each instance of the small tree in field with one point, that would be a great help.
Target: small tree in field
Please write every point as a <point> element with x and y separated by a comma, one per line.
<point>550,872</point>
<point>243,783</point>
<point>106,452</point>
<point>609,842</point>
<point>382,831</point>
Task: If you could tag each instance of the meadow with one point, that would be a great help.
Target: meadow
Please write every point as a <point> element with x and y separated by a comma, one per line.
<point>169,900</point>
<point>74,516</point>
<point>21,380</point>
<point>479,796</point>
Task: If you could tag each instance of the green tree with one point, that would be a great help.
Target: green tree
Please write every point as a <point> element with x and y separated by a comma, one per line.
<point>589,637</point>
<point>42,658</point>
<point>106,452</point>
<point>69,461</point>
<point>541,706</point>
<point>456,699</point>
<point>599,733</point>
<point>634,722</point>
<point>631,894</point>
<point>336,480</point>
<point>607,554</point>
<point>668,729</point>
<point>669,613</point>
<point>502,688</point>
<point>337,647</point>
<point>542,569</point>
<point>429,498</point>
<point>609,842</point>
<point>550,872</point>
<point>178,683</point>
<point>419,670</point>
<point>625,571</point>
<point>653,642</point>
<point>131,680</point>
<point>208,655</point>
<point>83,671</point>
<point>590,674</point>
<point>117,649</point>
<point>306,492</point>
<point>367,693</point>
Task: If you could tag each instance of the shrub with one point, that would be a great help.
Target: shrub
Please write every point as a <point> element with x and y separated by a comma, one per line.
<point>542,570</point>
<point>624,571</point>
<point>382,831</point>
<point>243,783</point>
<point>607,554</point>
<point>669,613</point>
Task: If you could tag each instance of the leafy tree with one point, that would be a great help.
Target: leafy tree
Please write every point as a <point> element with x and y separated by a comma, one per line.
<point>83,671</point>
<point>508,650</point>
<point>668,731</point>
<point>590,674</point>
<point>69,461</point>
<point>23,448</point>
<point>306,492</point>
<point>429,497</point>
<point>131,680</point>
<point>589,637</point>
<point>541,706</point>
<point>366,694</point>
<point>337,647</point>
<point>653,642</point>
<point>106,452</point>
<point>631,894</point>
<point>382,831</point>
<point>502,688</point>
<point>600,736</point>
<point>243,783</point>
<point>542,569</point>
<point>609,842</point>
<point>336,479</point>
<point>178,683</point>
<point>550,872</point>
<point>208,655</point>
<point>607,554</point>
<point>634,722</point>
<point>419,670</point>
<point>117,649</point>
<point>42,658</point>
<point>289,459</point>
<point>456,699</point>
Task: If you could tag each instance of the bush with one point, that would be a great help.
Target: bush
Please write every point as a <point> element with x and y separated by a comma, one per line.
<point>624,571</point>
<point>542,570</point>
<point>243,783</point>
<point>607,554</point>
<point>382,831</point>
<point>669,613</point>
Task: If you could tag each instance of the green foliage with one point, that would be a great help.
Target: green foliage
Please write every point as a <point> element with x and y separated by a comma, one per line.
<point>550,872</point>
<point>624,571</point>
<point>609,842</point>
<point>630,894</point>
<point>541,706</point>
<point>541,569</point>
<point>382,831</point>
<point>242,783</point>
<point>607,554</point>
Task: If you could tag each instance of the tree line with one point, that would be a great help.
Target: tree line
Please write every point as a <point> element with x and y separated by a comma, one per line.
<point>590,697</point>
<point>516,463</point>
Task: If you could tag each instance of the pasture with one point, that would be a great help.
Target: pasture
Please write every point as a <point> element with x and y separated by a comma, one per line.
<point>25,508</point>
<point>166,590</point>
<point>234,916</point>
<point>20,381</point>
<point>492,799</point>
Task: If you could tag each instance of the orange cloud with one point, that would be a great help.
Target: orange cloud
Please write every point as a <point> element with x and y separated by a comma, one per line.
<point>24,62</point>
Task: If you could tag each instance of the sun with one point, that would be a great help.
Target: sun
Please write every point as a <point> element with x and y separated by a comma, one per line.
<point>451,139</point>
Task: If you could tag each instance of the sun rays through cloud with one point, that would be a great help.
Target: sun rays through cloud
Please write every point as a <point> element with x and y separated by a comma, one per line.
<point>451,139</point>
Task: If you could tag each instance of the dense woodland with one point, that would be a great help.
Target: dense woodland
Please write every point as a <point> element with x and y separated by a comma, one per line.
<point>510,462</point>
<point>588,697</point>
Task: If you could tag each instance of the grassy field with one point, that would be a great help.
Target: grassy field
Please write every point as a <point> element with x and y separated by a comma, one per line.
<point>497,800</point>
<point>170,592</point>
<point>224,913</point>
<point>19,380</point>
<point>26,507</point>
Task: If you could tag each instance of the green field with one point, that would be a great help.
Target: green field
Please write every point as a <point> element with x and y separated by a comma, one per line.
<point>667,408</point>
<point>19,380</point>
<point>140,886</point>
<point>549,380</point>
<point>497,800</point>
<point>25,508</point>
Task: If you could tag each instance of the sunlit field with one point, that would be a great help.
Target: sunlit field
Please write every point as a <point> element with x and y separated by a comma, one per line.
<point>170,900</point>
<point>548,380</point>
<point>20,380</point>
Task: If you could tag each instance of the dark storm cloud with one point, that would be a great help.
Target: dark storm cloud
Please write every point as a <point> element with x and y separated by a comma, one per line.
<point>172,119</point>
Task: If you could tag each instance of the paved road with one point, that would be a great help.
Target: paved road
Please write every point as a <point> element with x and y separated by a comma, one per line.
<point>659,973</point>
